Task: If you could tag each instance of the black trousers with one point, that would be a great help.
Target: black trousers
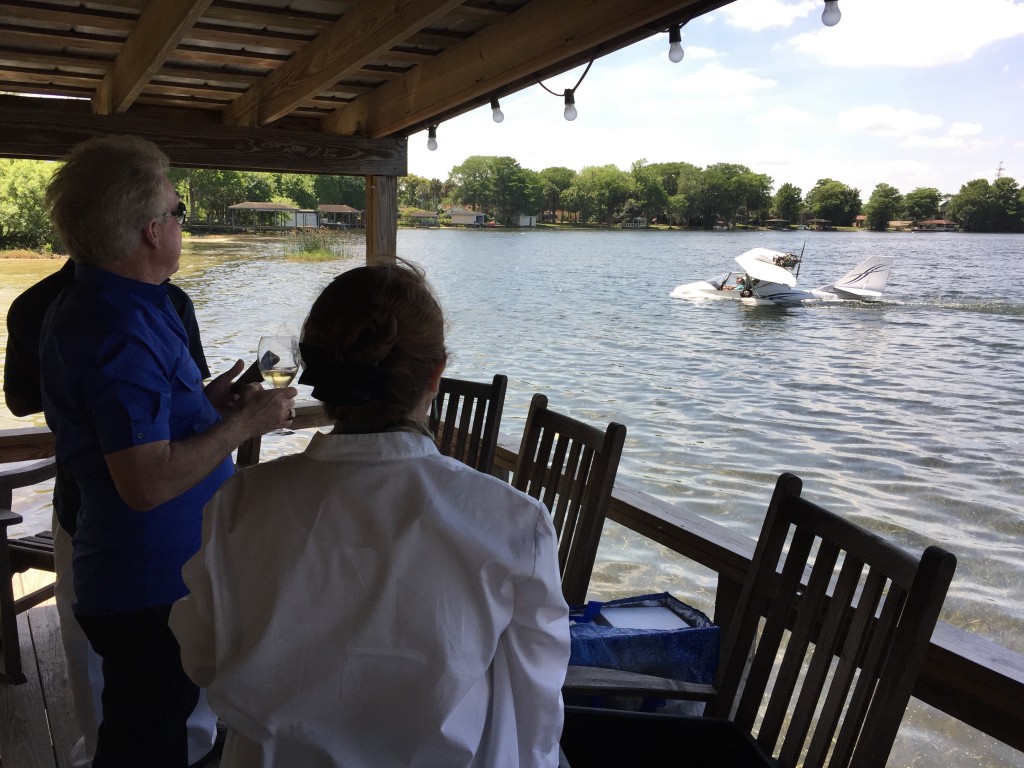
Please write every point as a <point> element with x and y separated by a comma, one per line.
<point>147,697</point>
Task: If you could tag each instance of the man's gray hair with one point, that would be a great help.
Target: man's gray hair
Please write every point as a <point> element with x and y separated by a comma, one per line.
<point>104,194</point>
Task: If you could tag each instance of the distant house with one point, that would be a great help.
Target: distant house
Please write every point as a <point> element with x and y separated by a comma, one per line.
<point>860,221</point>
<point>265,215</point>
<point>526,221</point>
<point>339,216</point>
<point>936,225</point>
<point>304,218</point>
<point>467,217</point>
<point>424,218</point>
<point>637,222</point>
<point>900,226</point>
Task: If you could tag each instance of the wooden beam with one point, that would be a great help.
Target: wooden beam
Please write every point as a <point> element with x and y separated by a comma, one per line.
<point>381,219</point>
<point>480,66</point>
<point>160,28</point>
<point>48,133</point>
<point>368,30</point>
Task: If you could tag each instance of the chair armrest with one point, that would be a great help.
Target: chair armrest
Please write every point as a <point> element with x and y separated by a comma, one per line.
<point>23,474</point>
<point>599,681</point>
<point>7,519</point>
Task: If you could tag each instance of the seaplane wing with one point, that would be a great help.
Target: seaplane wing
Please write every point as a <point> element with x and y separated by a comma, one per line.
<point>755,266</point>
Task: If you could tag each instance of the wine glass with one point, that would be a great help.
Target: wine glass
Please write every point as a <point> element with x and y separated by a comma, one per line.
<point>278,361</point>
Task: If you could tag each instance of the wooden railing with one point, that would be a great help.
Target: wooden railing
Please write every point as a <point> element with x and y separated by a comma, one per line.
<point>966,676</point>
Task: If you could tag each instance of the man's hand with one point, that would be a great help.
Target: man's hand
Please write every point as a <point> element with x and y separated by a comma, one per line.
<point>221,392</point>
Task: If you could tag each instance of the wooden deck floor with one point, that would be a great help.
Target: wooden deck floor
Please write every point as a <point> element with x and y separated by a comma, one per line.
<point>37,728</point>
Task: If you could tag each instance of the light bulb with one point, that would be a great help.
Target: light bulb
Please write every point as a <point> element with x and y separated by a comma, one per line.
<point>432,138</point>
<point>675,44</point>
<point>831,15</point>
<point>496,112</point>
<point>570,105</point>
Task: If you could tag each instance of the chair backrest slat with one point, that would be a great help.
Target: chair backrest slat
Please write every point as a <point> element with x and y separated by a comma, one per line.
<point>466,419</point>
<point>571,467</point>
<point>853,641</point>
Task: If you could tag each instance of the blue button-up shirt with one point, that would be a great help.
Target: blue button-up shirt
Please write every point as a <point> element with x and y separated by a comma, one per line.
<point>116,373</point>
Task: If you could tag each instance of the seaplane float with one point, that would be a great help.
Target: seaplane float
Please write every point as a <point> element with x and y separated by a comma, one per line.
<point>769,277</point>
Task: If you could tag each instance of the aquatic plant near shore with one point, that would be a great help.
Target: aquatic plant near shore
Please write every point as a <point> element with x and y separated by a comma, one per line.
<point>316,245</point>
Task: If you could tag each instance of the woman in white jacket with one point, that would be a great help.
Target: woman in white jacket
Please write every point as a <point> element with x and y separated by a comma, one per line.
<point>369,602</point>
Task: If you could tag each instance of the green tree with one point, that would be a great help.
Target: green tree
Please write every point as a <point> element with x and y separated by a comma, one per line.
<point>298,187</point>
<point>340,190</point>
<point>721,198</point>
<point>754,192</point>
<point>410,190</point>
<point>473,182</point>
<point>787,203</point>
<point>24,218</point>
<point>687,202</point>
<point>922,203</point>
<point>886,204</point>
<point>834,201</point>
<point>649,199</point>
<point>599,192</point>
<point>1007,208</point>
<point>556,180</point>
<point>973,207</point>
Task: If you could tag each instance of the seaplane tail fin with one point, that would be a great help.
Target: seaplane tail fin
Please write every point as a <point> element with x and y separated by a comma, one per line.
<point>867,280</point>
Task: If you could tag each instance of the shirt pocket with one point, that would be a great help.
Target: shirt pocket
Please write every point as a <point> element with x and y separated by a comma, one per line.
<point>191,412</point>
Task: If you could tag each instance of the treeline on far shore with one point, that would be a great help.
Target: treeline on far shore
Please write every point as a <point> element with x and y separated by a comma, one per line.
<point>676,194</point>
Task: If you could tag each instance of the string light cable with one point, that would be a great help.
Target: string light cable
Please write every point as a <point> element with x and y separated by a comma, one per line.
<point>569,94</point>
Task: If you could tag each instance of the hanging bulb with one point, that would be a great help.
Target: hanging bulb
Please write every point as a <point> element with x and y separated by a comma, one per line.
<point>432,138</point>
<point>570,105</point>
<point>496,114</point>
<point>675,44</point>
<point>831,15</point>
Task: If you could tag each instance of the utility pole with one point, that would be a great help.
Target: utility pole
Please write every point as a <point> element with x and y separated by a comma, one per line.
<point>999,170</point>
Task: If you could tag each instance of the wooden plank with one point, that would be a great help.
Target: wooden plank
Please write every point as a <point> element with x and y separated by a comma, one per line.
<point>365,32</point>
<point>160,28</point>
<point>24,736</point>
<point>48,132</point>
<point>27,443</point>
<point>44,624</point>
<point>381,218</point>
<point>504,57</point>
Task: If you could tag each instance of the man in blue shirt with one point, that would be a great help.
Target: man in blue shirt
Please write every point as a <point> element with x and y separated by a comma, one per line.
<point>23,394</point>
<point>146,444</point>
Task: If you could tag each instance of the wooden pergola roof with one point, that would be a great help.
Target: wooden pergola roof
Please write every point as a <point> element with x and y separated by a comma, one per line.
<point>306,86</point>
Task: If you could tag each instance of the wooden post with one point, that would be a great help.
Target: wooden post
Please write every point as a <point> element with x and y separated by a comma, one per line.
<point>381,218</point>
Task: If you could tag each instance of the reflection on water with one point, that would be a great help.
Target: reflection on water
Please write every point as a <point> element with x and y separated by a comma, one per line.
<point>905,415</point>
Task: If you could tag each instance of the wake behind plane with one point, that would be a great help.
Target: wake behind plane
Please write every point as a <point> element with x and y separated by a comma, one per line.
<point>769,277</point>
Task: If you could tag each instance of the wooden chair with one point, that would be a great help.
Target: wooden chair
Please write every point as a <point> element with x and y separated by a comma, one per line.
<point>466,419</point>
<point>820,659</point>
<point>571,467</point>
<point>17,556</point>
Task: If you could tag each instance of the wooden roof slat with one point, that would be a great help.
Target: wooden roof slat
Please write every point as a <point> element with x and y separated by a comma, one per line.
<point>160,28</point>
<point>360,35</point>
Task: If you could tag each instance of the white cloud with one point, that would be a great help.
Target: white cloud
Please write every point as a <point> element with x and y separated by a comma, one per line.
<point>694,52</point>
<point>883,120</point>
<point>964,129</point>
<point>783,117</point>
<point>756,15</point>
<point>911,33</point>
<point>715,80</point>
<point>934,142</point>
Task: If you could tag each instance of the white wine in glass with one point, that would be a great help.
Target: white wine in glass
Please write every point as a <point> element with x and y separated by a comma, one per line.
<point>278,360</point>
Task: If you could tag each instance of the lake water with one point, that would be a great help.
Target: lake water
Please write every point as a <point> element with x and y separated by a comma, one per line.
<point>906,415</point>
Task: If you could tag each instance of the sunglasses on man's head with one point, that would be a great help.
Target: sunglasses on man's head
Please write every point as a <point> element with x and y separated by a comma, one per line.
<point>178,213</point>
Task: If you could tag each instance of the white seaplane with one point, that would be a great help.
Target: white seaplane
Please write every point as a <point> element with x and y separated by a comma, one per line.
<point>769,277</point>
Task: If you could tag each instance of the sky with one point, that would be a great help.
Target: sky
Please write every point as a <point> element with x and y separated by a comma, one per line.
<point>908,93</point>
